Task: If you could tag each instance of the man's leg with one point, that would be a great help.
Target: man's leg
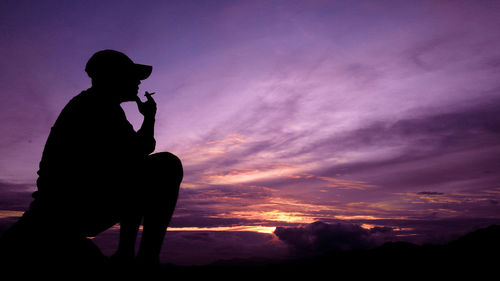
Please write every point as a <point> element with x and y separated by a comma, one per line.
<point>129,226</point>
<point>164,175</point>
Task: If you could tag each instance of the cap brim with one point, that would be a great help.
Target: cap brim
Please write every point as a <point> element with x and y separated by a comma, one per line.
<point>143,71</point>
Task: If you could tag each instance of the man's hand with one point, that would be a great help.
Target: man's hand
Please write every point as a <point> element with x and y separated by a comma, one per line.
<point>147,108</point>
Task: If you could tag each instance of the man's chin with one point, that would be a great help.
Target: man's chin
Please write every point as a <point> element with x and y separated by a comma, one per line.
<point>132,97</point>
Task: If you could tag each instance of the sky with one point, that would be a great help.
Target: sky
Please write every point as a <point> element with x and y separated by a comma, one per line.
<point>297,122</point>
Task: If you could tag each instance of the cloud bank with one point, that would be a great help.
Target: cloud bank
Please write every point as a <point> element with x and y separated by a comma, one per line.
<point>320,237</point>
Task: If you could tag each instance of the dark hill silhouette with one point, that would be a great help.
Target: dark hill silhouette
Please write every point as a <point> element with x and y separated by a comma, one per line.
<point>484,239</point>
<point>474,253</point>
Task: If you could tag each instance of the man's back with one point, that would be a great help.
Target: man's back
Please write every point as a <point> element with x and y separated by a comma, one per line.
<point>89,153</point>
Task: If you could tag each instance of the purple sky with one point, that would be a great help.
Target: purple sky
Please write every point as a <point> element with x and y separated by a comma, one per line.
<point>371,114</point>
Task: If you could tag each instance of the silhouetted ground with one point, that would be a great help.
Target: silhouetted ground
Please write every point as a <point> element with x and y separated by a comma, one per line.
<point>475,254</point>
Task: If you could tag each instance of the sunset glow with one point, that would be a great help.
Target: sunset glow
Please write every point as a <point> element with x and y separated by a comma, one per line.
<point>260,229</point>
<point>10,214</point>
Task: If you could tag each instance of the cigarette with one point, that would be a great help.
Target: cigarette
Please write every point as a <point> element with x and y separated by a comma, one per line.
<point>149,94</point>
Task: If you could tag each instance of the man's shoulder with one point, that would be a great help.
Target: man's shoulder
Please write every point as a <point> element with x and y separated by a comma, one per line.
<point>86,102</point>
<point>84,97</point>
<point>75,101</point>
<point>90,106</point>
<point>77,109</point>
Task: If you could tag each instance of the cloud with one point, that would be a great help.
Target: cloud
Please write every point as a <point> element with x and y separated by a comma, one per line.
<point>430,150</point>
<point>205,247</point>
<point>321,237</point>
<point>422,133</point>
<point>429,193</point>
<point>410,166</point>
<point>15,196</point>
<point>474,121</point>
<point>420,141</point>
<point>209,206</point>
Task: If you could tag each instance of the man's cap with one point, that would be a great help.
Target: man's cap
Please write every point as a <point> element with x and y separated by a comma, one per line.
<point>111,63</point>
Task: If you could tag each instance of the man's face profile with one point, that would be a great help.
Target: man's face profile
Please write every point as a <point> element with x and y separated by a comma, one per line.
<point>128,87</point>
<point>123,86</point>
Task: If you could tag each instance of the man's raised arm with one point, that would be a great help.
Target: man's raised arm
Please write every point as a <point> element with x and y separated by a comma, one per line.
<point>146,132</point>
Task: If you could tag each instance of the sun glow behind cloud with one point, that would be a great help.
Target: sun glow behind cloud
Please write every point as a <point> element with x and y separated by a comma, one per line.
<point>10,214</point>
<point>237,228</point>
<point>260,229</point>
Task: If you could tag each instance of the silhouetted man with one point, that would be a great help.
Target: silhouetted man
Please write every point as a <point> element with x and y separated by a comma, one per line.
<point>96,171</point>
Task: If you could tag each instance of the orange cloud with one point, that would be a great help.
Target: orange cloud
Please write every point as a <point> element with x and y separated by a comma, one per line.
<point>346,184</point>
<point>10,214</point>
<point>252,228</point>
<point>205,151</point>
<point>243,175</point>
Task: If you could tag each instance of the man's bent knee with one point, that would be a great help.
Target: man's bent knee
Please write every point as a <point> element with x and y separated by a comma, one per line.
<point>166,166</point>
<point>164,172</point>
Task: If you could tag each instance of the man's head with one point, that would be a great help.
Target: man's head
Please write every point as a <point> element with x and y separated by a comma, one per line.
<point>117,73</point>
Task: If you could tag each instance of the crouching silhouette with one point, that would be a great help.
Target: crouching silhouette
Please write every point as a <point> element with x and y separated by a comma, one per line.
<point>97,171</point>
